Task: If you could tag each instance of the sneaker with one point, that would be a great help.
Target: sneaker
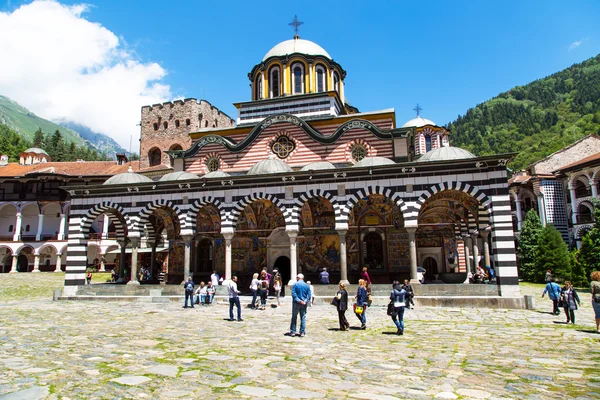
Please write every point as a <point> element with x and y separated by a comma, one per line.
<point>363,327</point>
<point>231,319</point>
<point>400,332</point>
<point>301,335</point>
<point>240,320</point>
<point>289,334</point>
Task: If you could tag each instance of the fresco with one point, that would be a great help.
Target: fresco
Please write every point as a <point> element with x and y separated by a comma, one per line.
<point>176,254</point>
<point>260,214</point>
<point>317,212</point>
<point>208,219</point>
<point>167,219</point>
<point>249,254</point>
<point>376,209</point>
<point>319,251</point>
<point>398,252</point>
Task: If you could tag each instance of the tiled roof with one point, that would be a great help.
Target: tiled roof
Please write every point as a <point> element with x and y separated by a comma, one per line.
<point>85,168</point>
<point>593,157</point>
<point>519,179</point>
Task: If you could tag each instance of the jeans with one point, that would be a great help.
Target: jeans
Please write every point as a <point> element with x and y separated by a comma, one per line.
<point>362,317</point>
<point>263,297</point>
<point>278,293</point>
<point>298,308</point>
<point>253,304</point>
<point>398,318</point>
<point>211,296</point>
<point>236,301</point>
<point>189,295</point>
<point>202,298</point>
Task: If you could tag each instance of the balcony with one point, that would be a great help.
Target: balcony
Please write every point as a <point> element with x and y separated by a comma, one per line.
<point>585,218</point>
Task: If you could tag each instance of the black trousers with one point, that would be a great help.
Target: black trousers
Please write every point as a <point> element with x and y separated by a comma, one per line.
<point>570,315</point>
<point>555,307</point>
<point>343,321</point>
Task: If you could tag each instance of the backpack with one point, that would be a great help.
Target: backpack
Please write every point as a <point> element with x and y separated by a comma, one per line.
<point>189,287</point>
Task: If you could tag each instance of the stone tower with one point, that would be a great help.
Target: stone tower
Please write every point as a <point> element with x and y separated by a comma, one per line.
<point>167,126</point>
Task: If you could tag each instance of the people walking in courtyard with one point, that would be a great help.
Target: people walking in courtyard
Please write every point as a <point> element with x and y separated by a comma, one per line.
<point>595,290</point>
<point>300,299</point>
<point>254,289</point>
<point>263,289</point>
<point>398,298</point>
<point>409,294</point>
<point>570,301</point>
<point>553,291</point>
<point>342,306</point>
<point>234,299</point>
<point>210,292</point>
<point>362,300</point>
<point>88,277</point>
<point>324,277</point>
<point>277,287</point>
<point>364,275</point>
<point>189,293</point>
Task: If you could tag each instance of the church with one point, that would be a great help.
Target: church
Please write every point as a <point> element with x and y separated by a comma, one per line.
<point>300,180</point>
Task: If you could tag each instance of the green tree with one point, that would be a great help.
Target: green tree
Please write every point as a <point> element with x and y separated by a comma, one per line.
<point>38,139</point>
<point>552,253</point>
<point>589,253</point>
<point>134,157</point>
<point>527,245</point>
<point>11,143</point>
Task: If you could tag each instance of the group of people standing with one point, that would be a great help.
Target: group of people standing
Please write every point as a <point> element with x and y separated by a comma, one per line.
<point>260,286</point>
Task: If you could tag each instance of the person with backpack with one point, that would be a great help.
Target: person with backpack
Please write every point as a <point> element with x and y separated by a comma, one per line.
<point>553,291</point>
<point>189,293</point>
<point>398,302</point>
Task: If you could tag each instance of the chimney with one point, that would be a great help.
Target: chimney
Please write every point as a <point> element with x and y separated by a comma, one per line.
<point>121,159</point>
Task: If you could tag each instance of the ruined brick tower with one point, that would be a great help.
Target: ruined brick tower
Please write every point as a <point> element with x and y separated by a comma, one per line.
<point>167,126</point>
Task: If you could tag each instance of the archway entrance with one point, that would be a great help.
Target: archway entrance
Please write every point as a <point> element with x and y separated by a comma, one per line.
<point>282,264</point>
<point>22,263</point>
<point>205,256</point>
<point>373,255</point>
<point>431,268</point>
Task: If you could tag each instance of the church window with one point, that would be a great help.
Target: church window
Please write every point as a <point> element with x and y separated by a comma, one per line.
<point>154,156</point>
<point>187,122</point>
<point>206,124</point>
<point>298,72</point>
<point>176,123</point>
<point>155,126</point>
<point>321,79</point>
<point>10,228</point>
<point>166,124</point>
<point>358,152</point>
<point>427,143</point>
<point>27,228</point>
<point>212,164</point>
<point>283,146</point>
<point>258,90</point>
<point>274,82</point>
<point>336,82</point>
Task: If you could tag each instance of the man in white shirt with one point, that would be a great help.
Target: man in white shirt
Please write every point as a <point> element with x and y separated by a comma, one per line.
<point>214,278</point>
<point>234,298</point>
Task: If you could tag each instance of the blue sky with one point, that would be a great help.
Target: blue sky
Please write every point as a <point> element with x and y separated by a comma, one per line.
<point>447,56</point>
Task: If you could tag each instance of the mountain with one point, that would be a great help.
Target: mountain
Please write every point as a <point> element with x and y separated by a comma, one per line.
<point>534,120</point>
<point>25,122</point>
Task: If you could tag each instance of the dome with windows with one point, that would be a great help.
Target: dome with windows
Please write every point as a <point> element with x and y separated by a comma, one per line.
<point>36,150</point>
<point>272,165</point>
<point>318,166</point>
<point>446,153</point>
<point>178,176</point>
<point>216,174</point>
<point>418,122</point>
<point>296,45</point>
<point>373,162</point>
<point>127,178</point>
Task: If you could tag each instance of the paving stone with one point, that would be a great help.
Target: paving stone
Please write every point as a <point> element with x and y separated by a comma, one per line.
<point>299,394</point>
<point>446,395</point>
<point>165,370</point>
<point>33,393</point>
<point>131,380</point>
<point>253,391</point>
<point>474,393</point>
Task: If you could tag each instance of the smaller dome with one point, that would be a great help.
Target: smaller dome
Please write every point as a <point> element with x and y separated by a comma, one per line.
<point>297,45</point>
<point>318,166</point>
<point>35,150</point>
<point>418,122</point>
<point>373,162</point>
<point>271,165</point>
<point>446,153</point>
<point>178,176</point>
<point>216,174</point>
<point>127,178</point>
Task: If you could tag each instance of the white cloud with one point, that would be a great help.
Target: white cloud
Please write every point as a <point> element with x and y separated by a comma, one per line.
<point>575,45</point>
<point>62,66</point>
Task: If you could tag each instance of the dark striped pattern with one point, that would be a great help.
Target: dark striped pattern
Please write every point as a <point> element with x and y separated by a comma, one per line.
<point>192,214</point>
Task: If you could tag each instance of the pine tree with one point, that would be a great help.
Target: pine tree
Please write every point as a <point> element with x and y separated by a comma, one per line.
<point>589,253</point>
<point>552,253</point>
<point>38,139</point>
<point>527,246</point>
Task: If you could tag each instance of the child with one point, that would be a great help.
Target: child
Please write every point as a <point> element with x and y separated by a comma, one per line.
<point>277,286</point>
<point>312,293</point>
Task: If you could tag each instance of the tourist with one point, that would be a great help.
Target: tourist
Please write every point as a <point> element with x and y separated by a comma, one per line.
<point>263,289</point>
<point>88,277</point>
<point>364,275</point>
<point>254,289</point>
<point>214,278</point>
<point>113,275</point>
<point>570,301</point>
<point>595,290</point>
<point>300,299</point>
<point>409,294</point>
<point>548,276</point>
<point>362,301</point>
<point>553,291</point>
<point>342,306</point>
<point>234,299</point>
<point>324,277</point>
<point>210,292</point>
<point>312,293</point>
<point>398,298</point>
<point>202,293</point>
<point>189,293</point>
<point>277,287</point>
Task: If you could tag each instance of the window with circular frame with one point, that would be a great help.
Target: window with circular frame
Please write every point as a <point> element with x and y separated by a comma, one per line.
<point>213,164</point>
<point>283,146</point>
<point>358,152</point>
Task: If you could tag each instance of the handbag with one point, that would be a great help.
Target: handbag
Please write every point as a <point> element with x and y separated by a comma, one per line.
<point>335,302</point>
<point>358,309</point>
<point>597,298</point>
<point>390,308</point>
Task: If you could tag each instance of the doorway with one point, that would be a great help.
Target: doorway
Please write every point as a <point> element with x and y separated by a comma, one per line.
<point>431,268</point>
<point>373,255</point>
<point>282,264</point>
<point>22,264</point>
<point>205,256</point>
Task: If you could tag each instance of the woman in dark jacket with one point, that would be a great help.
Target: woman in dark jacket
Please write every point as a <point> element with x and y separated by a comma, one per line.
<point>570,300</point>
<point>362,299</point>
<point>398,298</point>
<point>342,306</point>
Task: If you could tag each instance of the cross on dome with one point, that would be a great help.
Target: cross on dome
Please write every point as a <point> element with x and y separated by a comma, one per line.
<point>296,24</point>
<point>418,109</point>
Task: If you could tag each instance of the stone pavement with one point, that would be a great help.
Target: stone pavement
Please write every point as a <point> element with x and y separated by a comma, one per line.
<point>95,350</point>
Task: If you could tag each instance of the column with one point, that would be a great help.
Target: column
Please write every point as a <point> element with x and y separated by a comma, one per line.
<point>594,187</point>
<point>18,224</point>
<point>228,236</point>
<point>58,263</point>
<point>519,214</point>
<point>573,205</point>
<point>36,263</point>
<point>105,226</point>
<point>541,208</point>
<point>486,246</point>
<point>343,258</point>
<point>15,260</point>
<point>61,228</point>
<point>102,266</point>
<point>412,248</point>
<point>153,274</point>
<point>474,236</point>
<point>467,244</point>
<point>134,261</point>
<point>38,235</point>
<point>187,254</point>
<point>123,244</point>
<point>293,258</point>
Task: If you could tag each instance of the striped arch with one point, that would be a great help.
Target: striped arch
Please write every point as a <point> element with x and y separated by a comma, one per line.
<point>145,213</point>
<point>241,204</point>
<point>304,197</point>
<point>485,202</point>
<point>122,224</point>
<point>192,214</point>
<point>362,193</point>
<point>581,231</point>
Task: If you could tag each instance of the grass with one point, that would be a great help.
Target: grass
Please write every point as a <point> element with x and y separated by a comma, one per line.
<point>28,285</point>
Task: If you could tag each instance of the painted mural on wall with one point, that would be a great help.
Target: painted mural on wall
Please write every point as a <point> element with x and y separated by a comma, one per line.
<point>398,251</point>
<point>260,215</point>
<point>208,219</point>
<point>319,251</point>
<point>176,254</point>
<point>317,212</point>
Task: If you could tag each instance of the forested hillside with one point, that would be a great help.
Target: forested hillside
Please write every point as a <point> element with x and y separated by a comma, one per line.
<point>537,119</point>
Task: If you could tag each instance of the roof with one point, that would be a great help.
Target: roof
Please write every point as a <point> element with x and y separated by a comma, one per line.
<point>296,46</point>
<point>318,166</point>
<point>271,165</point>
<point>520,178</point>
<point>373,162</point>
<point>178,176</point>
<point>126,178</point>
<point>580,163</point>
<point>36,150</point>
<point>446,153</point>
<point>73,168</point>
<point>216,174</point>
<point>418,122</point>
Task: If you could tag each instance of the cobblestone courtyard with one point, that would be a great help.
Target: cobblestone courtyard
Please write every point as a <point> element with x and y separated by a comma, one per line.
<point>86,350</point>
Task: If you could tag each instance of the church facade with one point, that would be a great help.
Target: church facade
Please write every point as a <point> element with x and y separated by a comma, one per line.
<point>302,180</point>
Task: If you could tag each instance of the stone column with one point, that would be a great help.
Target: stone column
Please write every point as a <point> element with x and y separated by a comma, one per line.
<point>15,260</point>
<point>38,235</point>
<point>519,214</point>
<point>467,243</point>
<point>61,227</point>
<point>474,236</point>
<point>412,248</point>
<point>36,263</point>
<point>18,224</point>
<point>293,258</point>
<point>541,208</point>
<point>343,258</point>
<point>187,254</point>
<point>134,261</point>
<point>486,246</point>
<point>102,266</point>
<point>594,187</point>
<point>58,263</point>
<point>153,261</point>
<point>105,226</point>
<point>573,205</point>
<point>228,236</point>
<point>123,245</point>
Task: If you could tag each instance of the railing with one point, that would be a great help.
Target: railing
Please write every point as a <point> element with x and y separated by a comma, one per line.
<point>6,238</point>
<point>584,218</point>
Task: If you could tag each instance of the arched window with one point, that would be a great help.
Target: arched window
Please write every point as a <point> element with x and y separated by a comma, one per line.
<point>155,126</point>
<point>427,143</point>
<point>206,124</point>
<point>187,122</point>
<point>172,148</point>
<point>321,79</point>
<point>176,123</point>
<point>10,228</point>
<point>336,83</point>
<point>154,156</point>
<point>27,228</point>
<point>165,124</point>
<point>298,76</point>
<point>258,93</point>
<point>274,82</point>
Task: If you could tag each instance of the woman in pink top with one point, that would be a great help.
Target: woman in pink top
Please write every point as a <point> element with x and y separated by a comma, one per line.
<point>364,275</point>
